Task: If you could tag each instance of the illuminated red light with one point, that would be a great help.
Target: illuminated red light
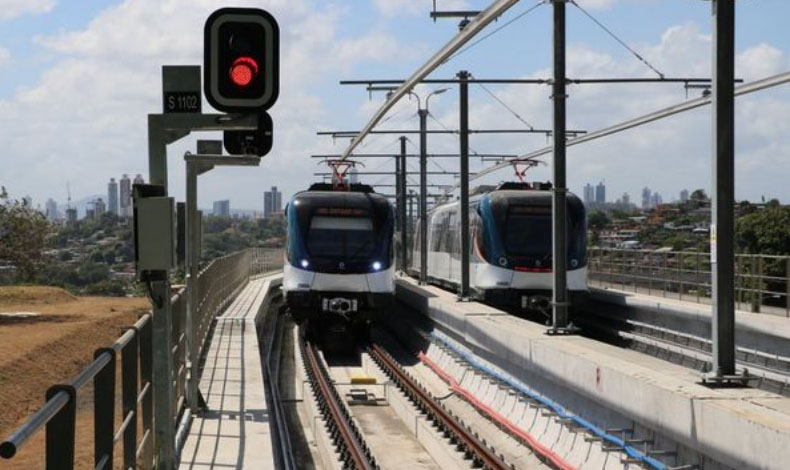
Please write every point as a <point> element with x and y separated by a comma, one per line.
<point>243,71</point>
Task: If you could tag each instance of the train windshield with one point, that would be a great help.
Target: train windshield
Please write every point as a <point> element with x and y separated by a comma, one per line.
<point>527,234</point>
<point>350,238</point>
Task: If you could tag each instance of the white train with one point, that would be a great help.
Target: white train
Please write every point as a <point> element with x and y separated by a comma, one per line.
<point>339,268</point>
<point>511,246</point>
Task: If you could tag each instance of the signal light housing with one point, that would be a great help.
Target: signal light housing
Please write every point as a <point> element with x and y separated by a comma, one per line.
<point>241,60</point>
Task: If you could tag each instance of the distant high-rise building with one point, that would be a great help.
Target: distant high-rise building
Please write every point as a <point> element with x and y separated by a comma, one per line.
<point>656,200</point>
<point>71,215</point>
<point>90,214</point>
<point>684,196</point>
<point>51,210</point>
<point>272,202</point>
<point>221,208</point>
<point>600,193</point>
<point>589,193</point>
<point>646,193</point>
<point>112,196</point>
<point>626,200</point>
<point>139,179</point>
<point>27,201</point>
<point>125,201</point>
<point>99,207</point>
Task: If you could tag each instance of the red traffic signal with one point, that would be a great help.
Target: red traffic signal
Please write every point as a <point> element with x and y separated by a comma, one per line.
<point>243,71</point>
<point>241,59</point>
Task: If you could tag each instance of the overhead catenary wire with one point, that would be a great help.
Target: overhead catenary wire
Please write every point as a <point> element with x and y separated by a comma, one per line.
<point>480,21</point>
<point>449,130</point>
<point>505,25</point>
<point>611,33</point>
<point>505,105</point>
<point>765,83</point>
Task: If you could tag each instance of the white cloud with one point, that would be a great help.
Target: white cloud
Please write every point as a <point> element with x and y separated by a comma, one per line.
<point>10,9</point>
<point>85,119</point>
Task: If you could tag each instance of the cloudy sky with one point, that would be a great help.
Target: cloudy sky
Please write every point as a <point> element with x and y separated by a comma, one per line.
<point>78,77</point>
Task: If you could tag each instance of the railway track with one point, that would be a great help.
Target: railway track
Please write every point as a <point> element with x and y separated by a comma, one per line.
<point>350,445</point>
<point>463,438</point>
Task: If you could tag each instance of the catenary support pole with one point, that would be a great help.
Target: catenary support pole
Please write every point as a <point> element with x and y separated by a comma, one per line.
<point>559,246</point>
<point>463,89</point>
<point>404,226</point>
<point>722,228</point>
<point>423,196</point>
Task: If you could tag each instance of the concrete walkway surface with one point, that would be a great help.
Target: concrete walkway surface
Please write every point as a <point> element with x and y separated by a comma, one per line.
<point>234,433</point>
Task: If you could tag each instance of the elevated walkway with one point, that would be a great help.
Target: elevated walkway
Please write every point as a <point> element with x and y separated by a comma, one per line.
<point>234,433</point>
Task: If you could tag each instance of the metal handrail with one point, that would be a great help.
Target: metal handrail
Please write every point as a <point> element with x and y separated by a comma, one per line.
<point>762,281</point>
<point>219,283</point>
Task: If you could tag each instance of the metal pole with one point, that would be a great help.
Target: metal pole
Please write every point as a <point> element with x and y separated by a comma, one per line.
<point>192,263</point>
<point>164,401</point>
<point>722,228</point>
<point>463,89</point>
<point>411,215</point>
<point>191,281</point>
<point>404,228</point>
<point>559,247</point>
<point>423,197</point>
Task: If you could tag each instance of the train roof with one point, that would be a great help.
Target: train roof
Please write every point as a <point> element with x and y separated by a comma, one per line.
<point>321,194</point>
<point>534,192</point>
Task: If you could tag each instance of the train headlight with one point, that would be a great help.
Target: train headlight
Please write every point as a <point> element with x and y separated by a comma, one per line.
<point>305,264</point>
<point>376,265</point>
<point>574,263</point>
<point>502,261</point>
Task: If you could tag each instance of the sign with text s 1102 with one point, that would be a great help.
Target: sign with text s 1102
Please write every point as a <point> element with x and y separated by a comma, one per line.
<point>182,102</point>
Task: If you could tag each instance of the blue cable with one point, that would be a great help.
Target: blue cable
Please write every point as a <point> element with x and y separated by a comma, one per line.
<point>593,429</point>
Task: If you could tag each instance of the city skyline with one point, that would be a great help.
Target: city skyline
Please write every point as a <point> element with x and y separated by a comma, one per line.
<point>55,53</point>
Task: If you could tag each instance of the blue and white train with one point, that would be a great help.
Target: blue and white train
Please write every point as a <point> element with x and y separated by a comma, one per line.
<point>511,246</point>
<point>339,255</point>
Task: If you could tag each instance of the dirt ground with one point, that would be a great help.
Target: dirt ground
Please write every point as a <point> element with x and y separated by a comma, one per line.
<point>49,347</point>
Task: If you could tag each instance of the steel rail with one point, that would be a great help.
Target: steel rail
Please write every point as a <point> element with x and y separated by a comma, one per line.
<point>689,105</point>
<point>492,12</point>
<point>282,435</point>
<point>484,456</point>
<point>352,448</point>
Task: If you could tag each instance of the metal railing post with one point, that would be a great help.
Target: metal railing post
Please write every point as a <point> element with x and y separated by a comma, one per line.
<point>104,411</point>
<point>680,275</point>
<point>787,287</point>
<point>759,282</point>
<point>753,285</point>
<point>146,379</point>
<point>696,277</point>
<point>129,365</point>
<point>60,433</point>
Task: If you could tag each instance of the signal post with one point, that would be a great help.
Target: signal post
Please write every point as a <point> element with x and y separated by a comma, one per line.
<point>241,76</point>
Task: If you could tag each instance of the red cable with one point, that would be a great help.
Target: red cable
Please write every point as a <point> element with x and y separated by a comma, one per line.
<point>556,460</point>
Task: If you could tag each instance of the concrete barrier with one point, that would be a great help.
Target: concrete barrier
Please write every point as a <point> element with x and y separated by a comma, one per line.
<point>764,332</point>
<point>739,428</point>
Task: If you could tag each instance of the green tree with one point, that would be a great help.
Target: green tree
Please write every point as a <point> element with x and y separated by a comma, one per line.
<point>765,232</point>
<point>598,220</point>
<point>24,234</point>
